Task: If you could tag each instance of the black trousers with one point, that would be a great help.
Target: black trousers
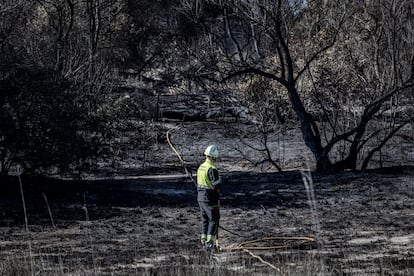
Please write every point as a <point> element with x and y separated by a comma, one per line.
<point>210,216</point>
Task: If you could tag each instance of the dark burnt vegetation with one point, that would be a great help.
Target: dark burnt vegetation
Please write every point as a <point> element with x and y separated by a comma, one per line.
<point>89,89</point>
<point>93,84</point>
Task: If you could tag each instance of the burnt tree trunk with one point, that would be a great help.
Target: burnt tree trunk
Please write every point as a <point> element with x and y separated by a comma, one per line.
<point>310,131</point>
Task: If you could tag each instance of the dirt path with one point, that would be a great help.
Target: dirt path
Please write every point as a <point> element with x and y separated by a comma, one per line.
<point>363,223</point>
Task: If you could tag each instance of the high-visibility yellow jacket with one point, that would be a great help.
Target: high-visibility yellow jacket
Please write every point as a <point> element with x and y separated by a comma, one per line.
<point>208,181</point>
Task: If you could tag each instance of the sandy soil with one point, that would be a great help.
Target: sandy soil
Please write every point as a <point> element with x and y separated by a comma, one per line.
<point>363,223</point>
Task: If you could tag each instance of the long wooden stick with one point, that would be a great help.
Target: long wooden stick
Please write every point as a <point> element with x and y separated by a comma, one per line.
<point>179,157</point>
<point>263,261</point>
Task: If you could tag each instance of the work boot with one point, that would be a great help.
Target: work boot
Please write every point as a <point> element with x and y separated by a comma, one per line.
<point>203,241</point>
<point>212,247</point>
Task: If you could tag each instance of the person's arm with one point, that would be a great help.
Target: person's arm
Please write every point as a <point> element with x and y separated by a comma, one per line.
<point>214,177</point>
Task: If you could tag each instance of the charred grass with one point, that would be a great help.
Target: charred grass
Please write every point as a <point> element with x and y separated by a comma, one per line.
<point>362,221</point>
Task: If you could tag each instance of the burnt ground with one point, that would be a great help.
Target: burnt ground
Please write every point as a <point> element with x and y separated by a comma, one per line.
<point>363,223</point>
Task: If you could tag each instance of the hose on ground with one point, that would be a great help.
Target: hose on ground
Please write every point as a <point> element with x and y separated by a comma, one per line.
<point>251,245</point>
<point>290,243</point>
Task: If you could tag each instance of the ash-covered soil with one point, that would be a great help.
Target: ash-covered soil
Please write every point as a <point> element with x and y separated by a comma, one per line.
<point>363,223</point>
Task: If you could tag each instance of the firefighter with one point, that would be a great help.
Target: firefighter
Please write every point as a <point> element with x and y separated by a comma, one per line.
<point>208,181</point>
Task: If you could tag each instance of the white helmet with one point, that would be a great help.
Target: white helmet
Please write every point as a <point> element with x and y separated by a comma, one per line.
<point>212,151</point>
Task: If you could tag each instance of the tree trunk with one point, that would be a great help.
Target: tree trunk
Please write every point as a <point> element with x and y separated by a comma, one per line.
<point>310,131</point>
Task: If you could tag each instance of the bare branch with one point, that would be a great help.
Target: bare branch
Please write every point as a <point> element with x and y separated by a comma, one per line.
<point>323,49</point>
<point>383,142</point>
<point>369,112</point>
